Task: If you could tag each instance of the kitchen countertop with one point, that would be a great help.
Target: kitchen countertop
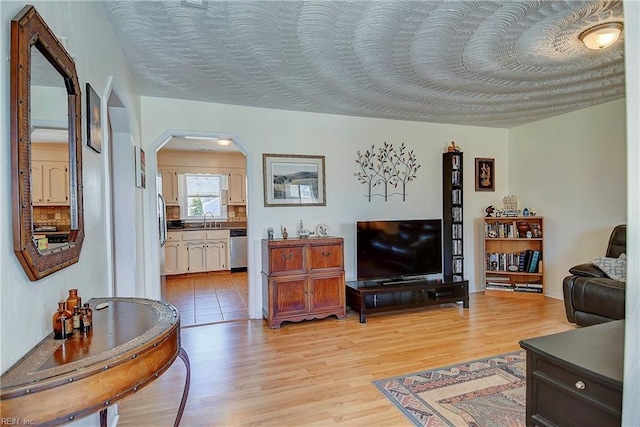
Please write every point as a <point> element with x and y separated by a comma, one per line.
<point>199,227</point>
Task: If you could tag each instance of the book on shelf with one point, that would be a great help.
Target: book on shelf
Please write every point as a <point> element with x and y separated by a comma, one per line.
<point>533,264</point>
<point>499,288</point>
<point>529,290</point>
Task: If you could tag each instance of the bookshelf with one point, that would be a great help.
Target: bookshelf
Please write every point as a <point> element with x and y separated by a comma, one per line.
<point>513,258</point>
<point>452,230</point>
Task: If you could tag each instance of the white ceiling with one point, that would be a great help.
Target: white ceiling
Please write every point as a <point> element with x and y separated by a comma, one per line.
<point>485,63</point>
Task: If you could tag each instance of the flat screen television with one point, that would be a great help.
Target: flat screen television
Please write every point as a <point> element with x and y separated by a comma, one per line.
<point>398,249</point>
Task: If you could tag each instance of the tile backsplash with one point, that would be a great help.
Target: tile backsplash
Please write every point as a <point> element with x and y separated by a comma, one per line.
<point>235,213</point>
<point>58,216</point>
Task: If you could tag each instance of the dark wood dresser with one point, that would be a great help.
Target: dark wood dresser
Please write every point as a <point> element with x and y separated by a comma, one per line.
<point>302,279</point>
<point>575,378</point>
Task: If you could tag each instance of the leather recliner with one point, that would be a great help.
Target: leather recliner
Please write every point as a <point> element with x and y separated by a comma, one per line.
<point>590,296</point>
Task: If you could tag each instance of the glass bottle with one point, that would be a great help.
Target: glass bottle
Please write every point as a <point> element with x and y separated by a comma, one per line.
<point>73,300</point>
<point>77,318</point>
<point>87,316</point>
<point>62,322</point>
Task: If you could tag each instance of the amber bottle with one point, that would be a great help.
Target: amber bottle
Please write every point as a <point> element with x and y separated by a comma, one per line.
<point>73,300</point>
<point>87,317</point>
<point>62,322</point>
<point>77,319</point>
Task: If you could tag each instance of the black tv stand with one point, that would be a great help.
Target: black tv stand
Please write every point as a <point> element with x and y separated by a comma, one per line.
<point>375,296</point>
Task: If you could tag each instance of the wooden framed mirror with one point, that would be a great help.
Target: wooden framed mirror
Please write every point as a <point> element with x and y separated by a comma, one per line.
<point>46,185</point>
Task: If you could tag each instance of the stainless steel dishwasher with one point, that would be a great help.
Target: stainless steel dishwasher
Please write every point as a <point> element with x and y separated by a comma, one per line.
<point>238,242</point>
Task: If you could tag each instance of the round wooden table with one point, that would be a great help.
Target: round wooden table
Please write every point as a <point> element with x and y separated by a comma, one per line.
<point>131,343</point>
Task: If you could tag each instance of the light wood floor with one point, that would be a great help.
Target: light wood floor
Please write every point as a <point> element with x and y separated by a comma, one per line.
<point>319,373</point>
<point>209,297</point>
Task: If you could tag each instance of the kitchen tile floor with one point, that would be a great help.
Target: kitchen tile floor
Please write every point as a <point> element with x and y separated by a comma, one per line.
<point>208,298</point>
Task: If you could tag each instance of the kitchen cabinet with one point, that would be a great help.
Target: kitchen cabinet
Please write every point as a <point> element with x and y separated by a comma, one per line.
<point>173,254</point>
<point>302,279</point>
<point>237,188</point>
<point>216,255</point>
<point>170,186</point>
<point>196,257</point>
<point>196,251</point>
<point>49,183</point>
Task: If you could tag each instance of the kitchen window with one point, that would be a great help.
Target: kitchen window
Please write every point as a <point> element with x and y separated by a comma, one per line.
<point>202,193</point>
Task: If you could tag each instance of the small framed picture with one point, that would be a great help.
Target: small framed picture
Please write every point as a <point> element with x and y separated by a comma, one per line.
<point>141,181</point>
<point>94,126</point>
<point>485,174</point>
<point>293,180</point>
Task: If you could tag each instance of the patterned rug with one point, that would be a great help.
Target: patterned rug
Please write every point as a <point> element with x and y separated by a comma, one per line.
<point>485,392</point>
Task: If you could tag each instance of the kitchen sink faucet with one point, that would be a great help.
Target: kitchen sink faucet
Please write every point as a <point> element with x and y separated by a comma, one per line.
<point>204,221</point>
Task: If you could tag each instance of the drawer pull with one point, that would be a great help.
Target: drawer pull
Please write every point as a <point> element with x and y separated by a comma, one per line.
<point>580,385</point>
<point>287,256</point>
<point>326,253</point>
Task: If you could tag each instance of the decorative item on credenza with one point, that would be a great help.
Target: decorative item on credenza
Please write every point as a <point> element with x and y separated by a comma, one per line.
<point>285,235</point>
<point>322,230</point>
<point>303,233</point>
<point>270,233</point>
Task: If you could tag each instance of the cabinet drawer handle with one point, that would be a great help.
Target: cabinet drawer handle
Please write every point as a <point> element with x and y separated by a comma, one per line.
<point>326,253</point>
<point>580,385</point>
<point>287,256</point>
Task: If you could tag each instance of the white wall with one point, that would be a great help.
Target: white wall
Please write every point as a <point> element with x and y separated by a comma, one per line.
<point>572,168</point>
<point>338,138</point>
<point>27,306</point>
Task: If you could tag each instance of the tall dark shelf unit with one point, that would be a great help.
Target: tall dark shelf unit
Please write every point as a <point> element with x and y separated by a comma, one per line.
<point>452,230</point>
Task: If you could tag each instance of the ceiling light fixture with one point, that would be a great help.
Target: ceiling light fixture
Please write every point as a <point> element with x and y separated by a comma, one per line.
<point>224,142</point>
<point>601,36</point>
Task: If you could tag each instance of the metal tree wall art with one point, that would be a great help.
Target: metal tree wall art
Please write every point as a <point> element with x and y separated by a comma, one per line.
<point>387,170</point>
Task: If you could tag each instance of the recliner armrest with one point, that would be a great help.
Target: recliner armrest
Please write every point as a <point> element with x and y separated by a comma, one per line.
<point>587,270</point>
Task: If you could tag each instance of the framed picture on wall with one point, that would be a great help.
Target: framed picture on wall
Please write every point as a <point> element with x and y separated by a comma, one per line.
<point>485,174</point>
<point>94,127</point>
<point>141,179</point>
<point>293,180</point>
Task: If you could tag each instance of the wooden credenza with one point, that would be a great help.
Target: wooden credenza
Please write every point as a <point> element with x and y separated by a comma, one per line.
<point>302,279</point>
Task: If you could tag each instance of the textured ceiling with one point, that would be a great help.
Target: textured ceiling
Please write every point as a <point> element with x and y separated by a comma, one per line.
<point>486,63</point>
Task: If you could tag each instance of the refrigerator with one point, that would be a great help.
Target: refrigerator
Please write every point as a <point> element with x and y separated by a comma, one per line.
<point>162,232</point>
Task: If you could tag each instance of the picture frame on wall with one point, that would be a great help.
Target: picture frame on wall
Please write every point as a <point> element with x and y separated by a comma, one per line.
<point>141,179</point>
<point>94,125</point>
<point>485,174</point>
<point>293,180</point>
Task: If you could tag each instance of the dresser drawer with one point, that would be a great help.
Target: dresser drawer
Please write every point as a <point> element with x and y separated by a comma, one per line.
<point>558,406</point>
<point>326,256</point>
<point>580,385</point>
<point>287,260</point>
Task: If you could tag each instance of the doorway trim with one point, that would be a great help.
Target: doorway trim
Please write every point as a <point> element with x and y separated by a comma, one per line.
<point>152,282</point>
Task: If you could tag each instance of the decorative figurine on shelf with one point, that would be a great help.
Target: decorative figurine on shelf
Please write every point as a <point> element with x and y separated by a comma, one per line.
<point>525,212</point>
<point>270,233</point>
<point>453,148</point>
<point>510,205</point>
<point>285,235</point>
<point>529,235</point>
<point>532,211</point>
<point>490,210</point>
<point>302,232</point>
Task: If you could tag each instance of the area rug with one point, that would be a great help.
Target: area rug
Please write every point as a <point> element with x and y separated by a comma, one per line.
<point>481,393</point>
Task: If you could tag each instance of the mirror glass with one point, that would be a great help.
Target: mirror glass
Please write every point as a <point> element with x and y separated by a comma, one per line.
<point>46,148</point>
<point>50,186</point>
